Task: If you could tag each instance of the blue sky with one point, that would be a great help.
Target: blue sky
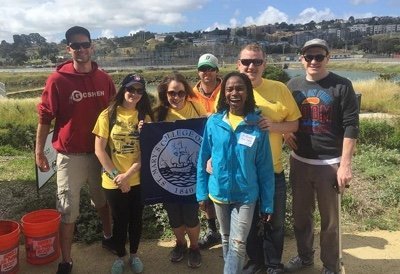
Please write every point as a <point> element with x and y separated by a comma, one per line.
<point>110,18</point>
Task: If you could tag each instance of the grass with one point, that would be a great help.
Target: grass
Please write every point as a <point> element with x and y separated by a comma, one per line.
<point>18,111</point>
<point>379,95</point>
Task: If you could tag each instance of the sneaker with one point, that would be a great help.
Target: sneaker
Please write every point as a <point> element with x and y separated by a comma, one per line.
<point>109,245</point>
<point>178,253</point>
<point>209,239</point>
<point>296,263</point>
<point>118,266</point>
<point>252,268</point>
<point>275,270</point>
<point>64,268</point>
<point>136,264</point>
<point>194,258</point>
<point>327,271</point>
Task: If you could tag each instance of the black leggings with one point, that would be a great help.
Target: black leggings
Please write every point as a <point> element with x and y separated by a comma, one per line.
<point>127,210</point>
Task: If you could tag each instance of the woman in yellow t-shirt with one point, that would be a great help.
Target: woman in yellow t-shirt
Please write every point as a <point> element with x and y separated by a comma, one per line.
<point>117,147</point>
<point>175,96</point>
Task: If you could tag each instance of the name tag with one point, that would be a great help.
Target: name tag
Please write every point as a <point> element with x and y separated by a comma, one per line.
<point>246,139</point>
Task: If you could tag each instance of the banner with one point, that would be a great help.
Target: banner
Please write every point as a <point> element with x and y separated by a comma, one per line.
<point>43,177</point>
<point>169,152</point>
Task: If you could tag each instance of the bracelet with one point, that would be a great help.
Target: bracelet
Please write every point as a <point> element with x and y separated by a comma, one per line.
<point>112,174</point>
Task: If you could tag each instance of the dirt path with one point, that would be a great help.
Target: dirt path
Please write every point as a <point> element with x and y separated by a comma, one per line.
<point>366,252</point>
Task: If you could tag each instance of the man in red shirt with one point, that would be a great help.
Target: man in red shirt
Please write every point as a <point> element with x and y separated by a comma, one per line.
<point>74,96</point>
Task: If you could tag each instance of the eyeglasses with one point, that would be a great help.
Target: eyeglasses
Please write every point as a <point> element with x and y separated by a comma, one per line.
<point>77,45</point>
<point>133,90</point>
<point>180,93</point>
<point>319,57</point>
<point>255,62</point>
<point>207,69</point>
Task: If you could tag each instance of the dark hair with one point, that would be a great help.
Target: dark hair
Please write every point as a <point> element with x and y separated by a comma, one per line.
<point>250,103</point>
<point>143,106</point>
<point>162,88</point>
<point>76,30</point>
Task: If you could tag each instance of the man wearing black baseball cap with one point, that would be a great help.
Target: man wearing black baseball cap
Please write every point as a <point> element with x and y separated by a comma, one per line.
<point>320,163</point>
<point>74,96</point>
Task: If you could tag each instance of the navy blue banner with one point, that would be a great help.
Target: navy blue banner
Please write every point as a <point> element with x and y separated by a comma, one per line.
<point>169,152</point>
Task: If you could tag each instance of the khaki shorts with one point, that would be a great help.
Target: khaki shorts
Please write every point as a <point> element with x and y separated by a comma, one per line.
<point>73,171</point>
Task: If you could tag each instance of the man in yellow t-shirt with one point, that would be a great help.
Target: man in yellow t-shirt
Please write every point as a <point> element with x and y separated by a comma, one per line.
<point>280,115</point>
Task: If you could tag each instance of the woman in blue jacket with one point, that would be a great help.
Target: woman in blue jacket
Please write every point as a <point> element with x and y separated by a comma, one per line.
<point>241,164</point>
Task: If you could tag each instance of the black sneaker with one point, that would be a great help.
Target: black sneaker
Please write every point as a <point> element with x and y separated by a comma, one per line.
<point>109,245</point>
<point>210,239</point>
<point>178,253</point>
<point>252,268</point>
<point>194,258</point>
<point>64,268</point>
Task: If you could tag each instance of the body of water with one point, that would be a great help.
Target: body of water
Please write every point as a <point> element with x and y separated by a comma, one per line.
<point>351,75</point>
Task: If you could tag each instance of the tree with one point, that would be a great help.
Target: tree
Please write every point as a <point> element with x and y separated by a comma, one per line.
<point>310,25</point>
<point>48,50</point>
<point>37,39</point>
<point>169,39</point>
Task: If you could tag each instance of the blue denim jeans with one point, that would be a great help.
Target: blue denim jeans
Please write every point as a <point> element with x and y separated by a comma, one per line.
<point>235,221</point>
<point>268,250</point>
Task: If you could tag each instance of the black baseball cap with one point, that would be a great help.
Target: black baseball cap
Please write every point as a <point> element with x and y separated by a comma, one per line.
<point>76,30</point>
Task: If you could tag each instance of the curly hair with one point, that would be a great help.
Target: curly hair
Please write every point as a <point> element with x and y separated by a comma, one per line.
<point>249,104</point>
<point>162,109</point>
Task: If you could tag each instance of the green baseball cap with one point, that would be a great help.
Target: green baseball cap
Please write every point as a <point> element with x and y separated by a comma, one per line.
<point>208,60</point>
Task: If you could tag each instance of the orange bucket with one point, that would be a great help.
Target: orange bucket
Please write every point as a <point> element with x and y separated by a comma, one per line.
<point>41,235</point>
<point>9,247</point>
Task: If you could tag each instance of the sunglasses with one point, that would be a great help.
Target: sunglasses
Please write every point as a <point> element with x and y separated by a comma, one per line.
<point>318,57</point>
<point>206,69</point>
<point>180,93</point>
<point>133,90</point>
<point>255,62</point>
<point>77,45</point>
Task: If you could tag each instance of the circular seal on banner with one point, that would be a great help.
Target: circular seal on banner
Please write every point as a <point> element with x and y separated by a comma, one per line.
<point>174,160</point>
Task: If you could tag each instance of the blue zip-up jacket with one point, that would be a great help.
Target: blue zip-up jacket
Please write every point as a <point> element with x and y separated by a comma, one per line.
<point>241,161</point>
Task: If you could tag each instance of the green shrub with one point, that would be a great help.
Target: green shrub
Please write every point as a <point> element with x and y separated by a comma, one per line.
<point>380,133</point>
<point>274,72</point>
<point>18,136</point>
<point>8,150</point>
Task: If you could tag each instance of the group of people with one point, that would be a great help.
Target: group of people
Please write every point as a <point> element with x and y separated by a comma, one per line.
<point>240,176</point>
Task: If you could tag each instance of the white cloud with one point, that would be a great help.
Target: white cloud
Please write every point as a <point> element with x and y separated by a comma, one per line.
<point>107,33</point>
<point>132,32</point>
<point>51,18</point>
<point>234,23</point>
<point>309,14</point>
<point>361,2</point>
<point>359,15</point>
<point>270,16</point>
<point>217,25</point>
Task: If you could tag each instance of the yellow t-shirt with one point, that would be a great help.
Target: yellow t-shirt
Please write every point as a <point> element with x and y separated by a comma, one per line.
<point>123,142</point>
<point>234,120</point>
<point>192,109</point>
<point>276,103</point>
